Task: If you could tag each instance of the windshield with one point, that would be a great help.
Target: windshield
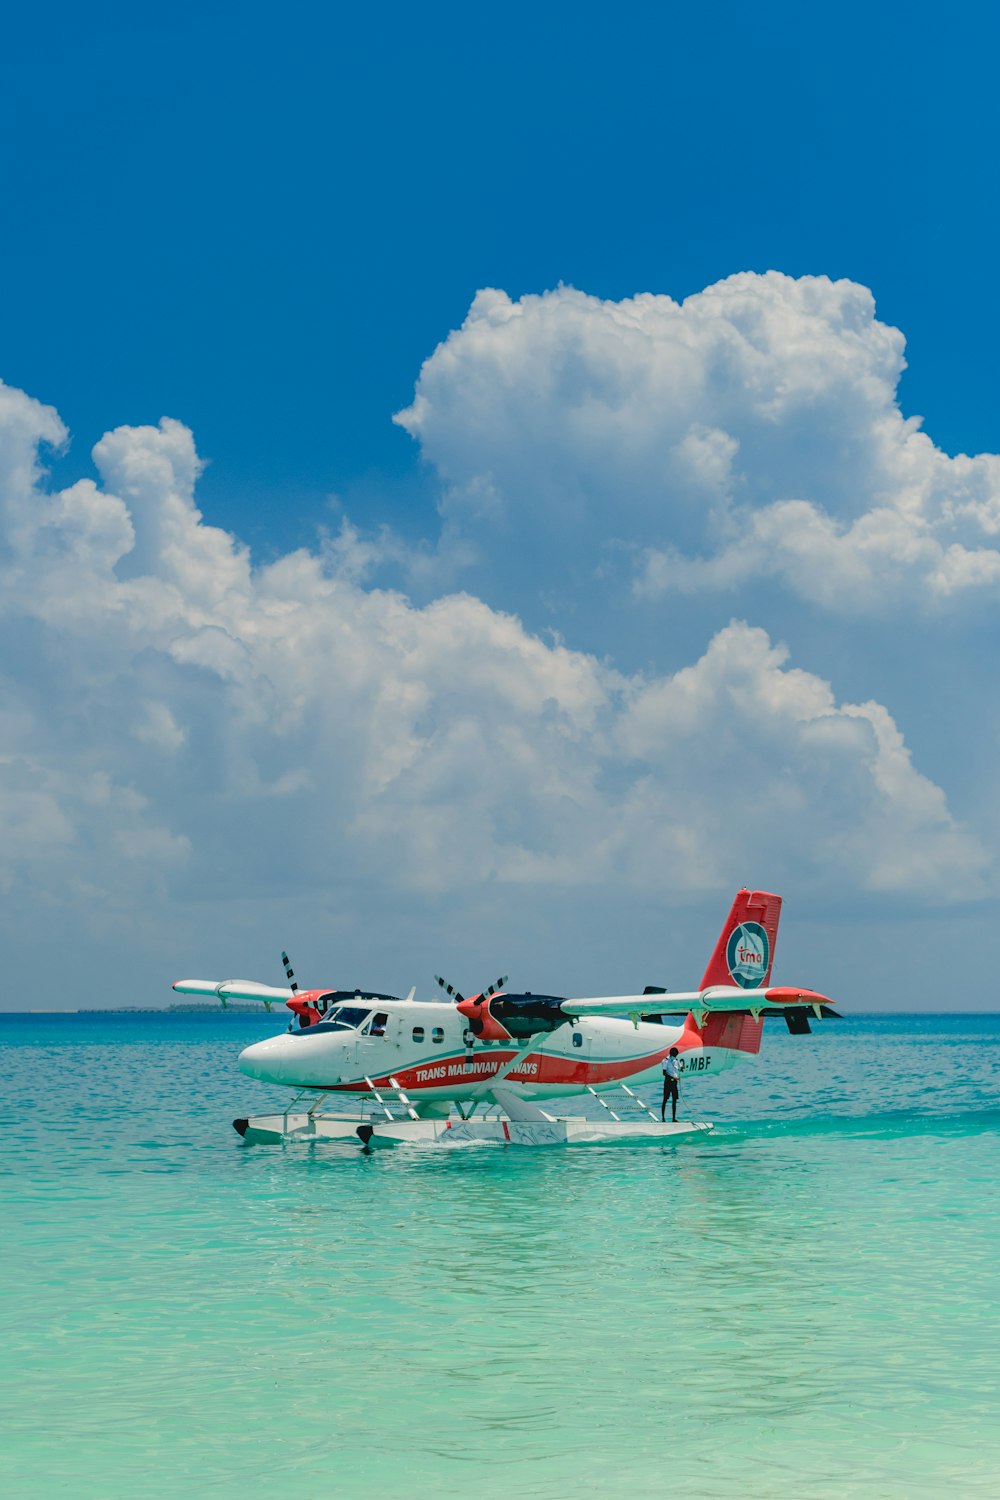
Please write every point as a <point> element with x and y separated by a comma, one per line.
<point>349,1016</point>
<point>341,1018</point>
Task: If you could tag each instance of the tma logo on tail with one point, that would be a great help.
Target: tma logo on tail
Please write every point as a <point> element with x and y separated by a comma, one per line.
<point>747,954</point>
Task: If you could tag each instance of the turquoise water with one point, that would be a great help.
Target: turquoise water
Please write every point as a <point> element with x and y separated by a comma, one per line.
<point>804,1305</point>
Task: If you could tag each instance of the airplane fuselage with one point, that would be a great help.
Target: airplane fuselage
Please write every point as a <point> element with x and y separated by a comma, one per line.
<point>509,1049</point>
<point>423,1046</point>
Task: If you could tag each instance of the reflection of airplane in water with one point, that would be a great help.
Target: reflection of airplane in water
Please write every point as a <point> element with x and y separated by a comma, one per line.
<point>503,1052</point>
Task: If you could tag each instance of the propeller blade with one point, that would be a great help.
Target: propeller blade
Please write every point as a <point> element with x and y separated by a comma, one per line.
<point>289,972</point>
<point>497,985</point>
<point>450,989</point>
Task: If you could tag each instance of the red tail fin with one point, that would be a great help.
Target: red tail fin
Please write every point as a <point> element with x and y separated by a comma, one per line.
<point>745,950</point>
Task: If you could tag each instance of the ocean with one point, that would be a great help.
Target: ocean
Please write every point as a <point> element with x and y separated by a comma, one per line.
<point>804,1304</point>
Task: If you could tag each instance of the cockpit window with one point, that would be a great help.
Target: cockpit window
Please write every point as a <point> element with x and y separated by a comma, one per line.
<point>350,1016</point>
<point>333,998</point>
<point>341,1018</point>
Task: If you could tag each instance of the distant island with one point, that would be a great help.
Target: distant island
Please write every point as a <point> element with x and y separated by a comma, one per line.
<point>173,1010</point>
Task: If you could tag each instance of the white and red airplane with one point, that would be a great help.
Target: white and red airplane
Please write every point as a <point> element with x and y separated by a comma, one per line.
<point>507,1051</point>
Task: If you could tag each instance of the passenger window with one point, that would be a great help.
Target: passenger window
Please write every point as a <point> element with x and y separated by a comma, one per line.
<point>437,1035</point>
<point>418,1033</point>
<point>577,1039</point>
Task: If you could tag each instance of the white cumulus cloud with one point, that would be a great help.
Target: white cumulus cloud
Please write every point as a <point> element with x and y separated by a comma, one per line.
<point>181,726</point>
<point>749,432</point>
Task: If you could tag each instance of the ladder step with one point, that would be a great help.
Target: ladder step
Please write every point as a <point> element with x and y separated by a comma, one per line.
<point>403,1098</point>
<point>602,1103</point>
<point>385,1108</point>
<point>640,1102</point>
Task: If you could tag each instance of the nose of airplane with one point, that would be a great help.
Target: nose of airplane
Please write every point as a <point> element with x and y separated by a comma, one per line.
<point>297,1059</point>
<point>269,1060</point>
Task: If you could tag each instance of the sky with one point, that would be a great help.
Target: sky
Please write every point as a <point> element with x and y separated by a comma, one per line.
<point>477,488</point>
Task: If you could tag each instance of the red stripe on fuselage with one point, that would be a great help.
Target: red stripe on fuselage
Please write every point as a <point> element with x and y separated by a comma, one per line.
<point>537,1068</point>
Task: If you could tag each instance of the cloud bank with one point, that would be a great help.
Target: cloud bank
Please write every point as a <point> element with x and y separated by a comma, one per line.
<point>749,433</point>
<point>180,725</point>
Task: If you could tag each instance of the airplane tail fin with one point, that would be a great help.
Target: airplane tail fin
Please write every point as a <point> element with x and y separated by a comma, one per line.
<point>744,953</point>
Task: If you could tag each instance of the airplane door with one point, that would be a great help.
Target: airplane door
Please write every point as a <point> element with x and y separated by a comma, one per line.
<point>373,1049</point>
<point>580,1042</point>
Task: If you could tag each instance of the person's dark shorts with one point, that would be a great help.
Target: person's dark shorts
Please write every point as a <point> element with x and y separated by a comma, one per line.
<point>669,1087</point>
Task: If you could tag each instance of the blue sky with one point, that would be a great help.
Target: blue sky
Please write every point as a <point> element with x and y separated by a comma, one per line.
<point>261,223</point>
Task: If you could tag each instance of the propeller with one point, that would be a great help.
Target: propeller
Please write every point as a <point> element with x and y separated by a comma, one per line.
<point>459,998</point>
<point>293,985</point>
<point>450,989</point>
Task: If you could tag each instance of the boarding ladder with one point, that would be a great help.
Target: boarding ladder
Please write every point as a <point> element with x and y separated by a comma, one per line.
<point>402,1098</point>
<point>632,1104</point>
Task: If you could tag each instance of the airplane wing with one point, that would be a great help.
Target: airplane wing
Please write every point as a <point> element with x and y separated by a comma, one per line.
<point>232,989</point>
<point>775,1000</point>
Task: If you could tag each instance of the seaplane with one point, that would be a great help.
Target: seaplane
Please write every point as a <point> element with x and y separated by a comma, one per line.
<point>467,1070</point>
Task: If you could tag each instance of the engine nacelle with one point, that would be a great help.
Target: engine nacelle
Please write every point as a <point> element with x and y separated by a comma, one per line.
<point>305,1009</point>
<point>502,1018</point>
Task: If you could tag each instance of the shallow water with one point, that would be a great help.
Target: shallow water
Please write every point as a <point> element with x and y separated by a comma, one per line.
<point>803,1305</point>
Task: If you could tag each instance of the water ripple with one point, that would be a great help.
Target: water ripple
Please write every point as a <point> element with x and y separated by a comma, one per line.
<point>804,1305</point>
